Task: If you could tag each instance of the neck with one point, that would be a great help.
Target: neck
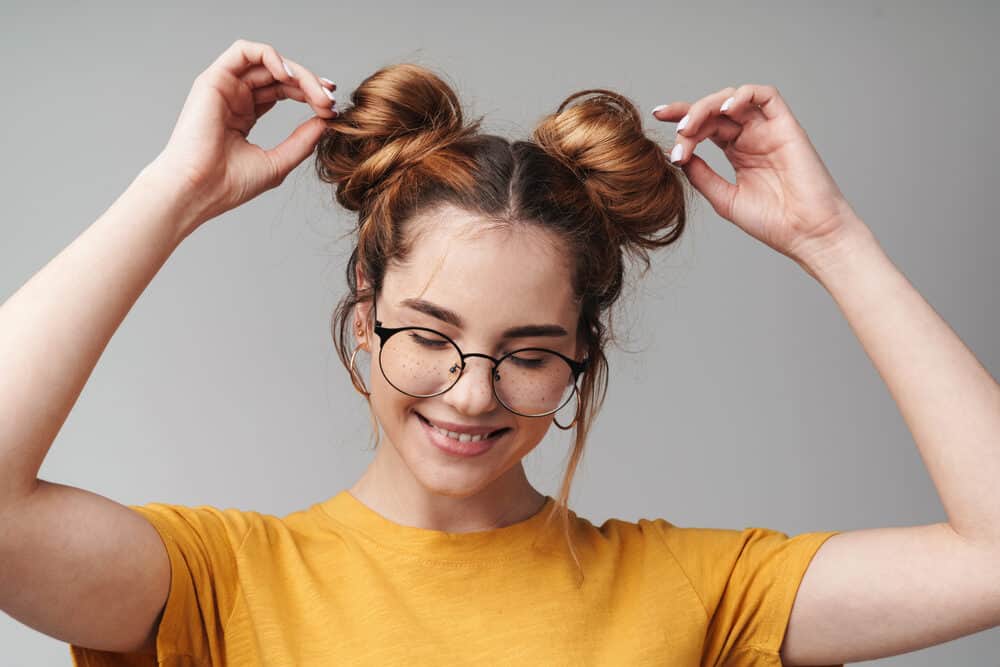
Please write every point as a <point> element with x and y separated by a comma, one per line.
<point>389,488</point>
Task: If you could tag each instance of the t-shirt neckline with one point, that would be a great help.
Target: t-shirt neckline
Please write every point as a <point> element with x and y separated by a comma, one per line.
<point>347,510</point>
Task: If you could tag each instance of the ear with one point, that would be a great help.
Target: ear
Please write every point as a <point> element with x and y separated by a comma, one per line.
<point>359,276</point>
<point>361,322</point>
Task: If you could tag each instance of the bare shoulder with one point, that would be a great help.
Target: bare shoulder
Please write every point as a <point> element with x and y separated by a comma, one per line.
<point>880,592</point>
<point>83,569</point>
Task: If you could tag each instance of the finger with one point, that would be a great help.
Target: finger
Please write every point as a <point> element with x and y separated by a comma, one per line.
<point>766,98</point>
<point>278,91</point>
<point>705,108</point>
<point>670,112</point>
<point>719,129</point>
<point>261,109</point>
<point>281,91</point>
<point>739,107</point>
<point>243,55</point>
<point>721,133</point>
<point>299,145</point>
<point>266,89</point>
<point>259,76</point>
<point>318,95</point>
<point>718,191</point>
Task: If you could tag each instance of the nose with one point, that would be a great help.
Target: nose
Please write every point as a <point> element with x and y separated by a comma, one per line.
<point>473,393</point>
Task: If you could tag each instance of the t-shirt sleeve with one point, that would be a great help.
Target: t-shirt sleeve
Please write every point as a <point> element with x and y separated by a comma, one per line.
<point>202,543</point>
<point>747,580</point>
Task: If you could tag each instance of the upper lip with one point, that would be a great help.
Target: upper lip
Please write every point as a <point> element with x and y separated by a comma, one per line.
<point>463,428</point>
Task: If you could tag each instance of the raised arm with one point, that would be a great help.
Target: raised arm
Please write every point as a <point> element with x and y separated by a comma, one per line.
<point>867,593</point>
<point>73,564</point>
<point>76,565</point>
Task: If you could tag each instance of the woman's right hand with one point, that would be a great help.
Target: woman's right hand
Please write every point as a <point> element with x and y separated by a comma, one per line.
<point>208,149</point>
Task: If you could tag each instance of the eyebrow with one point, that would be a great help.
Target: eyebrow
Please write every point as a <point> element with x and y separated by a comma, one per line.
<point>451,317</point>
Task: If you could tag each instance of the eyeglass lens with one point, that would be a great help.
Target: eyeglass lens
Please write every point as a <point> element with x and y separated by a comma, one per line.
<point>421,362</point>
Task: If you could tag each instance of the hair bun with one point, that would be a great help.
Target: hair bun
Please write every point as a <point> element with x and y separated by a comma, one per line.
<point>400,115</point>
<point>627,178</point>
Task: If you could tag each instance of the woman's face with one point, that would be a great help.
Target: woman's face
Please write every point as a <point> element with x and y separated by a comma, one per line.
<point>471,285</point>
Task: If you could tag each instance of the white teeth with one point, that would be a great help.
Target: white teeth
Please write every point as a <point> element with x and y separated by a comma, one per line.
<point>461,437</point>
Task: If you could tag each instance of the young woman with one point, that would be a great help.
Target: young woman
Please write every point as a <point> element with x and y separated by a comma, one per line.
<point>479,290</point>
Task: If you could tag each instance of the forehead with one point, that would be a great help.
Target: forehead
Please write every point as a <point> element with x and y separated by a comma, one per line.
<point>495,275</point>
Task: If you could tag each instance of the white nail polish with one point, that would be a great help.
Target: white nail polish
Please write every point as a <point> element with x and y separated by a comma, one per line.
<point>288,69</point>
<point>659,108</point>
<point>326,80</point>
<point>677,153</point>
<point>683,123</point>
<point>728,103</point>
<point>329,93</point>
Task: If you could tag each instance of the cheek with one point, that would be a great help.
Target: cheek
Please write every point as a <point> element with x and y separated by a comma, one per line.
<point>530,433</point>
<point>391,407</point>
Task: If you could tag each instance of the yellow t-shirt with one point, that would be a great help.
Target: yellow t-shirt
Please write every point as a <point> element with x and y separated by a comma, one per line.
<point>339,584</point>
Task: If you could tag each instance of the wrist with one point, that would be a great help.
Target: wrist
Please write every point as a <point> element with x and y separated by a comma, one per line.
<point>823,257</point>
<point>173,193</point>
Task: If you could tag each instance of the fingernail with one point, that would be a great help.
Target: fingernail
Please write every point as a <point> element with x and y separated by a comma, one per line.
<point>287,68</point>
<point>659,108</point>
<point>677,153</point>
<point>328,82</point>
<point>333,108</point>
<point>728,103</point>
<point>329,93</point>
<point>683,122</point>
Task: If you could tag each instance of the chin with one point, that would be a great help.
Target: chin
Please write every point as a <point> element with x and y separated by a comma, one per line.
<point>447,481</point>
<point>444,473</point>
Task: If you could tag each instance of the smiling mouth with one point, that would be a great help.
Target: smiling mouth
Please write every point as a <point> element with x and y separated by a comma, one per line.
<point>464,437</point>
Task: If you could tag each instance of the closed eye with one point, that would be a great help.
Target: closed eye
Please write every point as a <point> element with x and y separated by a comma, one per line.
<point>427,342</point>
<point>529,361</point>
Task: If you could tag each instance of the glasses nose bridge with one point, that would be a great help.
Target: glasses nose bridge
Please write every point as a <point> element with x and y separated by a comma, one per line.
<point>493,362</point>
<point>466,355</point>
<point>491,373</point>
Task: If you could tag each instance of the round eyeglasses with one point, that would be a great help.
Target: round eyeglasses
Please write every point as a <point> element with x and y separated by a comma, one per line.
<point>530,381</point>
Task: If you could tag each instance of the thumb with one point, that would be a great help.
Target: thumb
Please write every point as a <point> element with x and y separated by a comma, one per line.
<point>718,191</point>
<point>297,147</point>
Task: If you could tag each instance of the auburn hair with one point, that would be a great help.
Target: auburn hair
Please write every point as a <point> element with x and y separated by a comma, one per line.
<point>589,174</point>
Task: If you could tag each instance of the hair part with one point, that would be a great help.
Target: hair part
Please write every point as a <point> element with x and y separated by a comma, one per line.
<point>589,175</point>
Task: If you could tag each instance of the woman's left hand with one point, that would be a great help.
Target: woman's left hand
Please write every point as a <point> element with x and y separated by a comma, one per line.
<point>784,196</point>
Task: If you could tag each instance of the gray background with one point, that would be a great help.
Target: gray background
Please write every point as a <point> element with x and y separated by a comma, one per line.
<point>745,399</point>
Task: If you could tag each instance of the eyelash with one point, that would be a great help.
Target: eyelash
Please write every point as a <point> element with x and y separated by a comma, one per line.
<point>438,344</point>
<point>426,342</point>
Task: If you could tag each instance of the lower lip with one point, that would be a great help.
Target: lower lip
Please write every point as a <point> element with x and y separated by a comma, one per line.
<point>456,447</point>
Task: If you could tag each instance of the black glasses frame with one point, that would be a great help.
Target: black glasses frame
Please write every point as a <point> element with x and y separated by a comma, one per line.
<point>384,333</point>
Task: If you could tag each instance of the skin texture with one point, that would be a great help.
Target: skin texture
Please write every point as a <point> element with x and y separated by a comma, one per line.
<point>877,592</point>
<point>494,279</point>
<point>77,566</point>
<point>84,569</point>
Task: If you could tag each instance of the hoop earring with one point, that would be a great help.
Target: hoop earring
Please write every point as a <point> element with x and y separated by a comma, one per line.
<point>576,416</point>
<point>359,385</point>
